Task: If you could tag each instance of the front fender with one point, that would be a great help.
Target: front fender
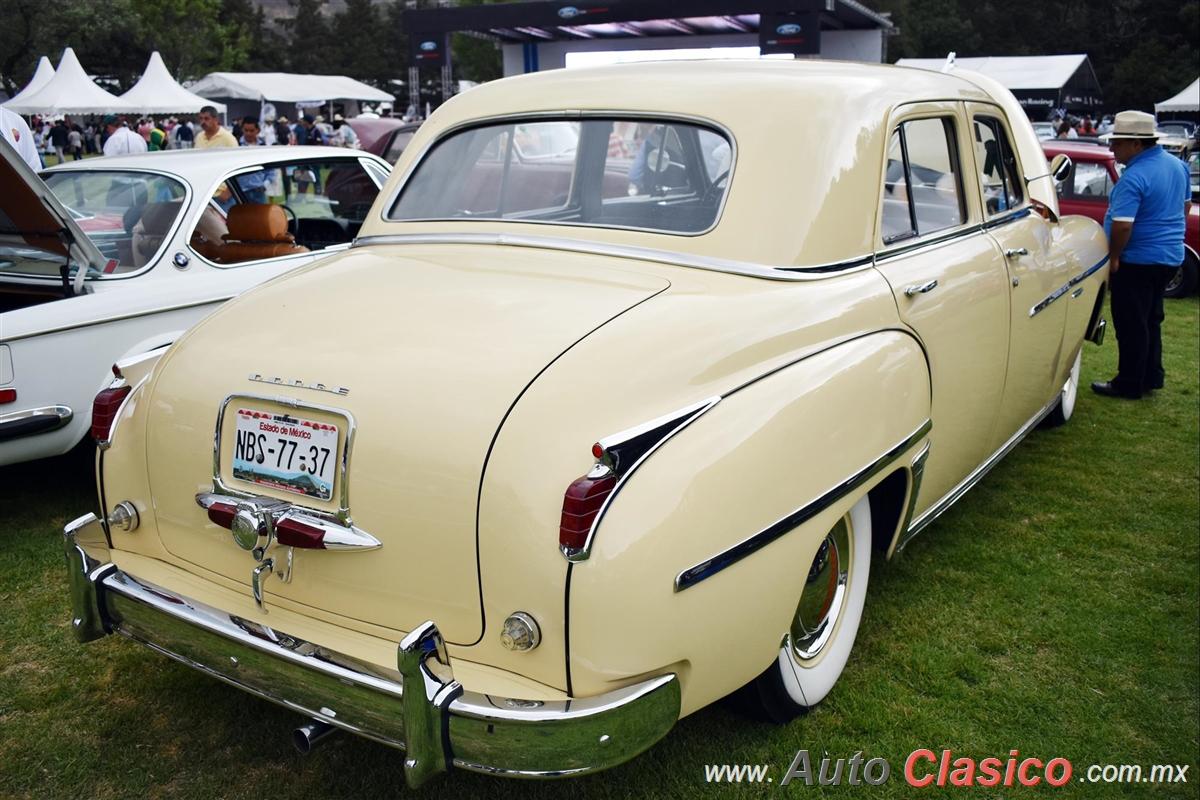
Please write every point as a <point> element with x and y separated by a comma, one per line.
<point>780,444</point>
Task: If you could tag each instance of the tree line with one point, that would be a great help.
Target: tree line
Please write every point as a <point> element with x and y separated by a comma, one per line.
<point>1142,50</point>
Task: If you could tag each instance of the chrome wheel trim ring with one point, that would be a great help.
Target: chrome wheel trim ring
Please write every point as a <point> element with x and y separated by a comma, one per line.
<point>824,595</point>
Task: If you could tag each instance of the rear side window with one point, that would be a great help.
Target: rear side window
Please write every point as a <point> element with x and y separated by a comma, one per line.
<point>654,175</point>
<point>1091,181</point>
<point>999,173</point>
<point>922,190</point>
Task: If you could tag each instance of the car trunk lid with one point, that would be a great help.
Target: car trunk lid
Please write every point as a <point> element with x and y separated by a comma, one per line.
<point>405,358</point>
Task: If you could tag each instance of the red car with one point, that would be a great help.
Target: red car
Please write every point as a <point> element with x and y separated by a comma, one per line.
<point>1086,190</point>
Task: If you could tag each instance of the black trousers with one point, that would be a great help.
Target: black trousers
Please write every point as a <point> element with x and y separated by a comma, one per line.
<point>1137,310</point>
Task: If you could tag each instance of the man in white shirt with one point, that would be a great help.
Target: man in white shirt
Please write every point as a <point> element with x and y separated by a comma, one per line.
<point>14,129</point>
<point>121,140</point>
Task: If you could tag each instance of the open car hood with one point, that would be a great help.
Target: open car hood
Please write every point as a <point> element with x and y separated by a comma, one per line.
<point>31,216</point>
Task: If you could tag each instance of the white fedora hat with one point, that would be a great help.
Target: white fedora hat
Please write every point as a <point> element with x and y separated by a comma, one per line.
<point>1132,125</point>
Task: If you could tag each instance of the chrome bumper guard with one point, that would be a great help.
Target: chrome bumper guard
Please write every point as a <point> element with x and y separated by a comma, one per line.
<point>418,707</point>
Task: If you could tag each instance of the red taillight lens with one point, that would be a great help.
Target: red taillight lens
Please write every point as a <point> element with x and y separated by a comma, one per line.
<point>581,503</point>
<point>8,396</point>
<point>104,411</point>
<point>294,533</point>
<point>222,514</point>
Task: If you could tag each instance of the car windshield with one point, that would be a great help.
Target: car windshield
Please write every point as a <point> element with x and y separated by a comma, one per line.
<point>127,214</point>
<point>662,176</point>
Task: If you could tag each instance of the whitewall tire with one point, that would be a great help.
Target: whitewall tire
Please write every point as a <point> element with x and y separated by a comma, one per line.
<point>833,591</point>
<point>1066,396</point>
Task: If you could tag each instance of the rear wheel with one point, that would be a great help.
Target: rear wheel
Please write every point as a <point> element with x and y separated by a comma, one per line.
<point>815,650</point>
<point>1183,280</point>
<point>1066,396</point>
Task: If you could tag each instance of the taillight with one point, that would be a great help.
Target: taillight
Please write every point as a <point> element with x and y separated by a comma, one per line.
<point>294,533</point>
<point>581,503</point>
<point>8,396</point>
<point>222,514</point>
<point>104,411</point>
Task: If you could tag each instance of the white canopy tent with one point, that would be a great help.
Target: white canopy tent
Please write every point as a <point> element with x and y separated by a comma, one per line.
<point>265,94</point>
<point>156,92</point>
<point>286,87</point>
<point>1187,100</point>
<point>1045,82</point>
<point>41,76</point>
<point>69,91</point>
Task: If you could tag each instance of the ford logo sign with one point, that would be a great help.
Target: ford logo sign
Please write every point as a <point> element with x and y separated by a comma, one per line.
<point>569,12</point>
<point>427,46</point>
<point>788,29</point>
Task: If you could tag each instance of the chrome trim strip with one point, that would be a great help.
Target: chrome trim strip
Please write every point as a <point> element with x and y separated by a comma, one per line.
<point>116,318</point>
<point>905,249</point>
<point>711,566</point>
<point>417,706</point>
<point>544,116</point>
<point>938,508</point>
<point>669,257</point>
<point>60,414</point>
<point>1012,216</point>
<point>1066,287</point>
<point>342,515</point>
<point>678,420</point>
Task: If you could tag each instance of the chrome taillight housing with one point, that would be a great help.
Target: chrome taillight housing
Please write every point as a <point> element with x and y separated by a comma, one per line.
<point>581,503</point>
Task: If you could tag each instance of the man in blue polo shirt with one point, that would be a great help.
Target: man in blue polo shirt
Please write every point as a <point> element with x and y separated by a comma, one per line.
<point>1145,224</point>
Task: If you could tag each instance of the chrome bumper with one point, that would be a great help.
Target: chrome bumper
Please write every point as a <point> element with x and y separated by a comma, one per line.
<point>418,707</point>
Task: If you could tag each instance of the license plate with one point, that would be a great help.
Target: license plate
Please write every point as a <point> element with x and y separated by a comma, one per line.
<point>285,452</point>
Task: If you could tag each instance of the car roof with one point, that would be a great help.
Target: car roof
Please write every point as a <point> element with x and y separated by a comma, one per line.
<point>193,162</point>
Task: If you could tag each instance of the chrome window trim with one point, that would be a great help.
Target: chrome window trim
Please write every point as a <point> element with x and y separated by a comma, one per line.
<point>952,235</point>
<point>668,257</point>
<point>1066,287</point>
<point>169,237</point>
<point>776,530</point>
<point>947,500</point>
<point>570,114</point>
<point>342,514</point>
<point>118,318</point>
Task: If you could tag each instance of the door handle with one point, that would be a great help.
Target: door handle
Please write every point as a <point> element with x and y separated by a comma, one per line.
<point>1015,252</point>
<point>922,288</point>
<point>1076,293</point>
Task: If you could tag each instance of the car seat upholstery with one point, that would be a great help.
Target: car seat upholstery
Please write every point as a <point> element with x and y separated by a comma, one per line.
<point>257,230</point>
<point>151,229</point>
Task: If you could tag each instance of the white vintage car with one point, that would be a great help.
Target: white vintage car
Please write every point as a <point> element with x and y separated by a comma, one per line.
<point>617,392</point>
<point>107,258</point>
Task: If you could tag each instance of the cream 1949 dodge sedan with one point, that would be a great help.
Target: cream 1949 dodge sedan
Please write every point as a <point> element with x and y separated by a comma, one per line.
<point>625,378</point>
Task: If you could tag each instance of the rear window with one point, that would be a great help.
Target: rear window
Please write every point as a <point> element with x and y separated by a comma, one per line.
<point>663,176</point>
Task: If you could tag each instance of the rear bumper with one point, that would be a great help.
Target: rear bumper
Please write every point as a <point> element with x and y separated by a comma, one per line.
<point>417,707</point>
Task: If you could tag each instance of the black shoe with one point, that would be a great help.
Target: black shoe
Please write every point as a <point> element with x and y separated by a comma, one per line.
<point>1107,389</point>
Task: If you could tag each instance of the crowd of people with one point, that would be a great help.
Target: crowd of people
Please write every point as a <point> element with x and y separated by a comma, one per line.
<point>68,138</point>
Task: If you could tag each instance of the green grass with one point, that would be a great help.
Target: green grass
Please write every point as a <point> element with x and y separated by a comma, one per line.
<point>1054,610</point>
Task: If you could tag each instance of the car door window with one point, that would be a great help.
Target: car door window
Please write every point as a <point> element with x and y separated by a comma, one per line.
<point>1091,181</point>
<point>322,204</point>
<point>999,172</point>
<point>922,191</point>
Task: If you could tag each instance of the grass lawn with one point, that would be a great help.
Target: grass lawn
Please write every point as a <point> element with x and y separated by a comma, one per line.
<point>1054,610</point>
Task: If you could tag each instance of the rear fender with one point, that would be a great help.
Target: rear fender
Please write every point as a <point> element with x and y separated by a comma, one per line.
<point>808,436</point>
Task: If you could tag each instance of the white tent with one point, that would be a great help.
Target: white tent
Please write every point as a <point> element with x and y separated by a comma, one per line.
<point>70,91</point>
<point>1037,81</point>
<point>41,76</point>
<point>156,92</point>
<point>1187,100</point>
<point>286,87</point>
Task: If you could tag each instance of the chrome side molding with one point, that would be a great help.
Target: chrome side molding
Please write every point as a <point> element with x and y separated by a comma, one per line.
<point>727,558</point>
<point>30,422</point>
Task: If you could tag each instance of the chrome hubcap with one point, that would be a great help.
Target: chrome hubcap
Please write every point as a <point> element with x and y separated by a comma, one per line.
<point>824,594</point>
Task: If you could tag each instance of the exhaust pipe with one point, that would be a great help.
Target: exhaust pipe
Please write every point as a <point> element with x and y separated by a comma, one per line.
<point>306,737</point>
